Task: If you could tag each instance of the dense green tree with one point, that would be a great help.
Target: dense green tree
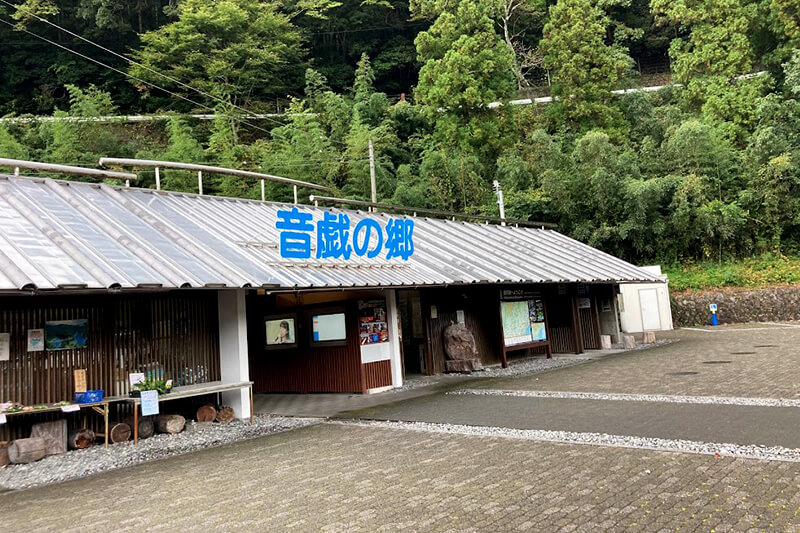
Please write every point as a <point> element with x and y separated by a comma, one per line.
<point>714,59</point>
<point>585,67</point>
<point>242,51</point>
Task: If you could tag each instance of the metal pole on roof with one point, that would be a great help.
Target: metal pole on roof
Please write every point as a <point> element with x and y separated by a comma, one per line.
<point>127,183</point>
<point>499,192</point>
<point>295,195</point>
<point>158,180</point>
<point>263,191</point>
<point>16,171</point>
<point>200,181</point>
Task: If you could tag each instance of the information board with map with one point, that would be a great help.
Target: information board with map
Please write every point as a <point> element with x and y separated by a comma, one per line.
<point>523,321</point>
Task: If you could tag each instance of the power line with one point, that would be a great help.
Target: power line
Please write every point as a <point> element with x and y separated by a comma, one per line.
<point>405,25</point>
<point>132,62</point>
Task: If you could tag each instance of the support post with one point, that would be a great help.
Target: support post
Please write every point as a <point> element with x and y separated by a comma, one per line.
<point>127,183</point>
<point>372,181</point>
<point>16,171</point>
<point>200,181</point>
<point>577,330</point>
<point>158,180</point>
<point>233,349</point>
<point>263,191</point>
<point>295,194</point>
<point>393,317</point>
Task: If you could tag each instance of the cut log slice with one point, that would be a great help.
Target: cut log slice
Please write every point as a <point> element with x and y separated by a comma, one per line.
<point>120,433</point>
<point>24,451</point>
<point>207,413</point>
<point>225,414</point>
<point>80,439</point>
<point>146,427</point>
<point>54,433</point>
<point>171,424</point>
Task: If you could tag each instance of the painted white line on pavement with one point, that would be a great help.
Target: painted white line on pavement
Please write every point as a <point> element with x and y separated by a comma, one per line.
<point>664,398</point>
<point>763,453</point>
<point>731,330</point>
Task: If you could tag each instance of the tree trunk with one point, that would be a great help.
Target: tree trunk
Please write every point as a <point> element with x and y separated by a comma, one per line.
<point>54,433</point>
<point>171,424</point>
<point>80,439</point>
<point>225,414</point>
<point>4,453</point>
<point>27,450</point>
<point>146,428</point>
<point>119,433</point>
<point>207,413</point>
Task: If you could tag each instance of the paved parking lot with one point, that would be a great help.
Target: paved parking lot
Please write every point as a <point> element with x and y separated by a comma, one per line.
<point>344,478</point>
<point>751,361</point>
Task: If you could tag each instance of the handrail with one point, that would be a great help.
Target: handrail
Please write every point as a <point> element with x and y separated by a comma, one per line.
<point>17,164</point>
<point>118,161</point>
<point>434,212</point>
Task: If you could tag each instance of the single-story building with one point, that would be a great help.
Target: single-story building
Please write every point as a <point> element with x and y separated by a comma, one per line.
<point>645,306</point>
<point>295,298</point>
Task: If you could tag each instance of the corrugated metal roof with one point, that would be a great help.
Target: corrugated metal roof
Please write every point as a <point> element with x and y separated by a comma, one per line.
<point>58,234</point>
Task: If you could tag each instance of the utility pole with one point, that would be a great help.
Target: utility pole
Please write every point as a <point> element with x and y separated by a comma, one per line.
<point>373,183</point>
<point>499,193</point>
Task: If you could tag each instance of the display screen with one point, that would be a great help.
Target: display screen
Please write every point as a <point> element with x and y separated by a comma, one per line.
<point>280,331</point>
<point>523,322</point>
<point>329,327</point>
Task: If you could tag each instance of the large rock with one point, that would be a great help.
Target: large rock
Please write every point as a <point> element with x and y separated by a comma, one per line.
<point>461,350</point>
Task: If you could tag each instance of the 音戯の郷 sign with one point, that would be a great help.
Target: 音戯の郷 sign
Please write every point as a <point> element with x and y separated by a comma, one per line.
<point>337,238</point>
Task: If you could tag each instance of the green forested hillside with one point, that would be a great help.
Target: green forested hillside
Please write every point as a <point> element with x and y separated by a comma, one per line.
<point>706,168</point>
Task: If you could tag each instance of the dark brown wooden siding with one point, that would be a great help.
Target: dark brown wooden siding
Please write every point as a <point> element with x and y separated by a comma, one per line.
<point>177,331</point>
<point>378,374</point>
<point>589,325</point>
<point>308,368</point>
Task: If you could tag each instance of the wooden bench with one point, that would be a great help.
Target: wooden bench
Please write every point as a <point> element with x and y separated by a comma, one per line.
<point>100,407</point>
<point>177,393</point>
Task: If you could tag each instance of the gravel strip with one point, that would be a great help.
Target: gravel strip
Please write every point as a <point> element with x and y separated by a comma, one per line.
<point>716,400</point>
<point>764,453</point>
<point>514,370</point>
<point>81,463</point>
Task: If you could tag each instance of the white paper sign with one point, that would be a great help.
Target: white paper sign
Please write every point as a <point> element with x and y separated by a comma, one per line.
<point>460,316</point>
<point>434,312</point>
<point>135,378</point>
<point>5,346</point>
<point>70,408</point>
<point>149,402</point>
<point>712,308</point>
<point>35,340</point>
<point>2,418</point>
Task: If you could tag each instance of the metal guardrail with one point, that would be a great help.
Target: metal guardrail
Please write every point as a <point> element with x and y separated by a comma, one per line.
<point>17,164</point>
<point>124,162</point>
<point>433,212</point>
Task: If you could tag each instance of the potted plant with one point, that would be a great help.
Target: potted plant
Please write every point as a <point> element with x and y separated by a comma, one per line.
<point>163,387</point>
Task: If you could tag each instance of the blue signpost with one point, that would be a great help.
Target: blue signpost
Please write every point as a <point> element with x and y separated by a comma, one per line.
<point>713,309</point>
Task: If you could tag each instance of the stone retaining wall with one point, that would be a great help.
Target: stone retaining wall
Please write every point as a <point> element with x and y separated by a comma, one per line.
<point>690,308</point>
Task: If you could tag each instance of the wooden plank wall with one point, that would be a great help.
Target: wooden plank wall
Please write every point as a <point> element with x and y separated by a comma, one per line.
<point>178,332</point>
<point>307,368</point>
<point>378,374</point>
<point>589,326</point>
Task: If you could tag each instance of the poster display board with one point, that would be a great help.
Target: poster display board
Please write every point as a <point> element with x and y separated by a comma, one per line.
<point>66,334</point>
<point>372,325</point>
<point>281,331</point>
<point>328,327</point>
<point>523,321</point>
<point>35,340</point>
